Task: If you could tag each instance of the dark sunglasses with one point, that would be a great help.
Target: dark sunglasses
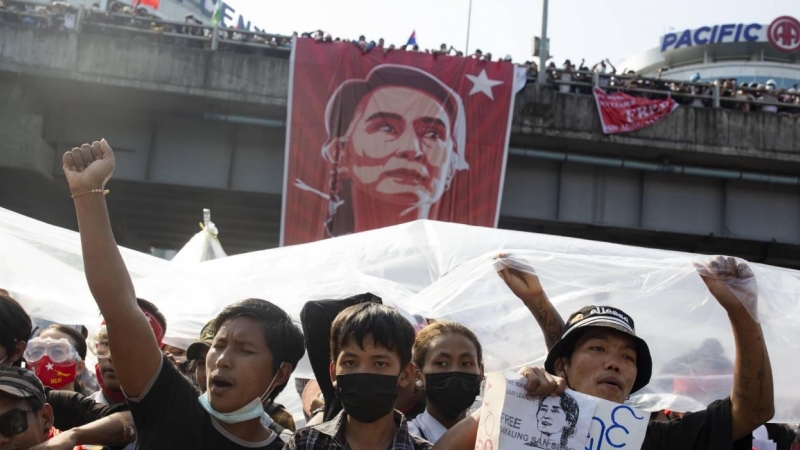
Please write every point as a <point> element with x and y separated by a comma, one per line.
<point>14,422</point>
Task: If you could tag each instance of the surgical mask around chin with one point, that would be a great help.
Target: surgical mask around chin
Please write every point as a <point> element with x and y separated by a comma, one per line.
<point>250,411</point>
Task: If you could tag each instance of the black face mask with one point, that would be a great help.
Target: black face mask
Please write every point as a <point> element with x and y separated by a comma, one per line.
<point>366,397</point>
<point>452,392</point>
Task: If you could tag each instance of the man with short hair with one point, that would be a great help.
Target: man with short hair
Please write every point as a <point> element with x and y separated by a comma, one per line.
<point>256,344</point>
<point>25,417</point>
<point>371,348</point>
<point>599,354</point>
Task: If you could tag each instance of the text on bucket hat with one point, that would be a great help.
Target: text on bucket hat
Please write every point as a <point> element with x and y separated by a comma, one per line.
<point>602,316</point>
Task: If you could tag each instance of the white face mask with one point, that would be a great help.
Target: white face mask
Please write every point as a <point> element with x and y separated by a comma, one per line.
<point>250,411</point>
<point>3,360</point>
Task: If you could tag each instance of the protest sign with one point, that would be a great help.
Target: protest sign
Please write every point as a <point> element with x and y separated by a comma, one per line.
<point>570,421</point>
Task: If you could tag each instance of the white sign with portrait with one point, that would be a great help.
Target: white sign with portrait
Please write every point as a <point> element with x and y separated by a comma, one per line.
<point>570,421</point>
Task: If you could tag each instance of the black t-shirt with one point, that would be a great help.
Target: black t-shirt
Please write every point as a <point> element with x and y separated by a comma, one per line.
<point>704,430</point>
<point>73,409</point>
<point>168,415</point>
<point>783,435</point>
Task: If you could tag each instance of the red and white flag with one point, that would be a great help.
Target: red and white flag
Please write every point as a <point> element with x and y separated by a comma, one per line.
<point>383,137</point>
<point>622,113</point>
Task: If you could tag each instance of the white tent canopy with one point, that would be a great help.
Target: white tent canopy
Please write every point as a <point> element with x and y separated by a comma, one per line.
<point>203,246</point>
<point>444,271</point>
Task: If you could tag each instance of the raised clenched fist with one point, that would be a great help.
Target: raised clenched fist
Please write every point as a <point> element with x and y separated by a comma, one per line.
<point>88,167</point>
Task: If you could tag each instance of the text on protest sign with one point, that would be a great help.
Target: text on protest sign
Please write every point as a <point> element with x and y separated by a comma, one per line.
<point>571,421</point>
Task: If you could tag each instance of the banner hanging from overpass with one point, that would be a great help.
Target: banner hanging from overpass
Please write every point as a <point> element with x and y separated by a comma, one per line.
<point>622,113</point>
<point>381,137</point>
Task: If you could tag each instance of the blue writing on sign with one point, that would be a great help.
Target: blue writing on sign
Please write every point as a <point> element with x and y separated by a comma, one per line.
<point>605,435</point>
<point>706,35</point>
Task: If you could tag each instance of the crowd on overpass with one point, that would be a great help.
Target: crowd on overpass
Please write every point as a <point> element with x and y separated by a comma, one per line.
<point>570,78</point>
<point>733,94</point>
<point>380,44</point>
<point>56,15</point>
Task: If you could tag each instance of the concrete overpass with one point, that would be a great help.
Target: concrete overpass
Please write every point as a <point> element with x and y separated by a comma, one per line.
<point>197,128</point>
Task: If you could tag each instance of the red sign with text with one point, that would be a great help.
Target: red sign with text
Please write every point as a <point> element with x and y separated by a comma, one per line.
<point>622,113</point>
<point>382,137</point>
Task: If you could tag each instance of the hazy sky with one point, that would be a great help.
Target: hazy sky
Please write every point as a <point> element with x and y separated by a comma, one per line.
<point>594,29</point>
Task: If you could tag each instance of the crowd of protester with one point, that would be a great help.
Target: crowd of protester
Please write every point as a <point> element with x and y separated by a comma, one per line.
<point>57,15</point>
<point>382,378</point>
<point>742,96</point>
<point>119,14</point>
<point>380,44</point>
<point>579,78</point>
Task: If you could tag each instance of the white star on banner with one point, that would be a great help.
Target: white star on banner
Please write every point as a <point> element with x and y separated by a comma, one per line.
<point>49,366</point>
<point>482,83</point>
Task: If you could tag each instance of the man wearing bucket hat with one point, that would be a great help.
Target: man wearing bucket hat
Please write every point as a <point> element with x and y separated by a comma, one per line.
<point>598,327</point>
<point>600,354</point>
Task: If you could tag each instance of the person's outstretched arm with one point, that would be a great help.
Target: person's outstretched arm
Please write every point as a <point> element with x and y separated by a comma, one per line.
<point>752,397</point>
<point>523,282</point>
<point>135,350</point>
<point>115,430</point>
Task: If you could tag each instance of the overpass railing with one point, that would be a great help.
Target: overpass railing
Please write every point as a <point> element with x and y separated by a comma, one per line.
<point>59,15</point>
<point>716,94</point>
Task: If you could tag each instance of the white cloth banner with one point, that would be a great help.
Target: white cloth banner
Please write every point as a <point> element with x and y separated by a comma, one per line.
<point>445,271</point>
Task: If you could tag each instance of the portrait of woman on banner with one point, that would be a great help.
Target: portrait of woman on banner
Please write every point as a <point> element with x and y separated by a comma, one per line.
<point>395,141</point>
<point>556,422</point>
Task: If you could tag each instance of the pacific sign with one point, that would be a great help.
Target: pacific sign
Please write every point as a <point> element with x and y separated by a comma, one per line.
<point>783,34</point>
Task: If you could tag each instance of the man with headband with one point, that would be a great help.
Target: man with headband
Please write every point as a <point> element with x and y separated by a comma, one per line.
<point>110,392</point>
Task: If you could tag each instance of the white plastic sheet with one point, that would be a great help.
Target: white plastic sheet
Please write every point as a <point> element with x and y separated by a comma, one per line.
<point>446,271</point>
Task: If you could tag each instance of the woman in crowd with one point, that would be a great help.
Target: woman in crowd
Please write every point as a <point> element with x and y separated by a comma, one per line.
<point>57,357</point>
<point>450,359</point>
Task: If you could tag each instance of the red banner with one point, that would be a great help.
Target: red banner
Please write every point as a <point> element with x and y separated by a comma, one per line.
<point>621,113</point>
<point>382,137</point>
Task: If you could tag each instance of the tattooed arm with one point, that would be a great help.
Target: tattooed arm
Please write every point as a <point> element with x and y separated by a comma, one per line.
<point>752,397</point>
<point>524,283</point>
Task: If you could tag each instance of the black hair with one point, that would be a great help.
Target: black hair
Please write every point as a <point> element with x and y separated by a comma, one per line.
<point>425,338</point>
<point>15,326</point>
<point>284,338</point>
<point>386,326</point>
<point>571,410</point>
<point>153,309</point>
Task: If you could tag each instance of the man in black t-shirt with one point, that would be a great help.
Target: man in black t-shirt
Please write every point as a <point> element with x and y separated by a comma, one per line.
<point>256,345</point>
<point>599,354</point>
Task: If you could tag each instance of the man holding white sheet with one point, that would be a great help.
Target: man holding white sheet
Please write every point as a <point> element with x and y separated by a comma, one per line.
<point>599,354</point>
